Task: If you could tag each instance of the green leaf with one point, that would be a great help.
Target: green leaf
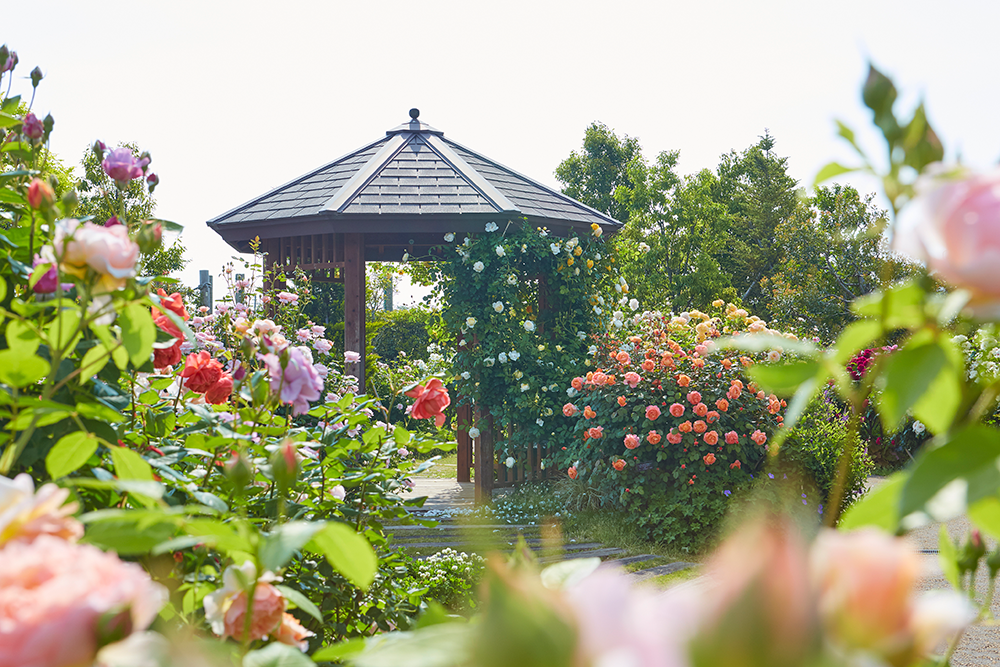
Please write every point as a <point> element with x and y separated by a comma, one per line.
<point>948,558</point>
<point>70,453</point>
<point>151,490</point>
<point>939,404</point>
<point>832,170</point>
<point>908,373</point>
<point>902,305</point>
<point>347,552</point>
<point>63,329</point>
<point>848,135</point>
<point>300,601</point>
<point>879,95</point>
<point>22,338</point>
<point>856,336</point>
<point>783,379</point>
<point>125,538</point>
<point>336,652</point>
<point>138,333</point>
<point>760,342</point>
<point>20,370</point>
<point>277,654</point>
<point>100,412</point>
<point>282,543</point>
<point>93,361</point>
<point>920,142</point>
<point>222,535</point>
<point>401,435</point>
<point>967,464</point>
<point>880,508</point>
<point>985,514</point>
<point>210,500</point>
<point>130,465</point>
<point>176,544</point>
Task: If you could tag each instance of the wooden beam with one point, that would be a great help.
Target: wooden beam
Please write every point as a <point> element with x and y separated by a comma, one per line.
<point>354,303</point>
<point>484,458</point>
<point>464,443</point>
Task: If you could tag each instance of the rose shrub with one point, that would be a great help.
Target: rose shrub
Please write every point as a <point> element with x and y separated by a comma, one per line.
<point>666,428</point>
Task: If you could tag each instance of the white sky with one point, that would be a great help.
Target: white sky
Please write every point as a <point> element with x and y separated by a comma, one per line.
<point>235,98</point>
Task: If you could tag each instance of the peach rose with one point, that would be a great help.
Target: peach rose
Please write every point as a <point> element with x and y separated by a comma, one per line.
<point>683,380</point>
<point>107,250</point>
<point>571,471</point>
<point>700,409</point>
<point>653,437</point>
<point>712,416</point>
<point>570,410</point>
<point>292,633</point>
<point>220,392</point>
<point>631,441</point>
<point>599,378</point>
<point>577,383</point>
<point>709,458</point>
<point>953,226</point>
<point>759,437</point>
<point>588,412</point>
<point>201,372</point>
<point>727,364</point>
<point>652,413</point>
<point>700,426</point>
<point>732,438</point>
<point>226,608</point>
<point>619,465</point>
<point>674,438</point>
<point>677,410</point>
<point>684,427</point>
<point>694,397</point>
<point>734,392</point>
<point>622,401</point>
<point>722,404</point>
<point>632,379</point>
<point>648,365</point>
<point>52,594</point>
<point>623,358</point>
<point>595,431</point>
<point>735,464</point>
<point>711,438</point>
<point>26,515</point>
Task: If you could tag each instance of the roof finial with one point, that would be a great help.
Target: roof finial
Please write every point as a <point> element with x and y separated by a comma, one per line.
<point>414,113</point>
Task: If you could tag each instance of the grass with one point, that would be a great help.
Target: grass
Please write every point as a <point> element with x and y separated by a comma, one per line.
<point>674,578</point>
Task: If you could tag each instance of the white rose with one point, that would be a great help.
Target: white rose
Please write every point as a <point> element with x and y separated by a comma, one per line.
<point>498,306</point>
<point>514,355</point>
<point>470,322</point>
<point>529,326</point>
<point>473,432</point>
<point>500,251</point>
<point>478,267</point>
<point>502,358</point>
<point>449,237</point>
<point>491,226</point>
<point>525,387</point>
<point>510,462</point>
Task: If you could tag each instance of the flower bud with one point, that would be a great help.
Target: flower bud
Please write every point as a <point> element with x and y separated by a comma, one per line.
<point>150,236</point>
<point>40,195</point>
<point>239,473</point>
<point>152,181</point>
<point>285,465</point>
<point>99,147</point>
<point>36,77</point>
<point>8,59</point>
<point>70,201</point>
<point>48,123</point>
<point>31,127</point>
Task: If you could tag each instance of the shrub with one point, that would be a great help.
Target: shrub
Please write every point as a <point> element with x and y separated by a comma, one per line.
<point>448,577</point>
<point>665,429</point>
<point>403,331</point>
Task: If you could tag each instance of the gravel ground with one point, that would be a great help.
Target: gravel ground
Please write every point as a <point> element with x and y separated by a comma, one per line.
<point>980,645</point>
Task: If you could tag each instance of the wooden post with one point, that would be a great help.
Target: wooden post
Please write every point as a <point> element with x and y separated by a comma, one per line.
<point>354,303</point>
<point>484,458</point>
<point>464,443</point>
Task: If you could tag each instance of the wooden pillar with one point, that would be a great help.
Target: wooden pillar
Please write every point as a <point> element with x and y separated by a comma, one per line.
<point>464,443</point>
<point>354,303</point>
<point>484,458</point>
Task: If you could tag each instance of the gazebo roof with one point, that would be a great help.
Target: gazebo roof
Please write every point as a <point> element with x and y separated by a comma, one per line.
<point>411,182</point>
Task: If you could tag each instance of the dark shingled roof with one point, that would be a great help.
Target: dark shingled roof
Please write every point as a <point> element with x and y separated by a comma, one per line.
<point>412,180</point>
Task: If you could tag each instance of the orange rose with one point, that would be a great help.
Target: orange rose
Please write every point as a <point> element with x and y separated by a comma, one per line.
<point>571,472</point>
<point>709,458</point>
<point>595,431</point>
<point>648,365</point>
<point>759,437</point>
<point>677,410</point>
<point>220,392</point>
<point>735,464</point>
<point>431,399</point>
<point>701,409</point>
<point>694,397</point>
<point>631,441</point>
<point>622,401</point>
<point>652,413</point>
<point>700,426</point>
<point>570,410</point>
<point>734,392</point>
<point>684,427</point>
<point>683,380</point>
<point>623,358</point>
<point>674,438</point>
<point>619,465</point>
<point>698,363</point>
<point>712,438</point>
<point>722,404</point>
<point>174,303</point>
<point>727,364</point>
<point>588,413</point>
<point>577,383</point>
<point>653,438</point>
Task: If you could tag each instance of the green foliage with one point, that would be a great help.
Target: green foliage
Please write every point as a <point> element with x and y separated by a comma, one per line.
<point>447,577</point>
<point>594,175</point>
<point>403,331</point>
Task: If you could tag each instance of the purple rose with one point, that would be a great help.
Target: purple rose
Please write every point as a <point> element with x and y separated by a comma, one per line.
<point>47,283</point>
<point>298,382</point>
<point>32,127</point>
<point>122,166</point>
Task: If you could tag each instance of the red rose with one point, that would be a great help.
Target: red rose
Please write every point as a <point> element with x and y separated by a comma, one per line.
<point>174,303</point>
<point>167,356</point>
<point>201,371</point>
<point>430,401</point>
<point>220,392</point>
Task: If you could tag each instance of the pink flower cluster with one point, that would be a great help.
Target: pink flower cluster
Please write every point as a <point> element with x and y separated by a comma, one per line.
<point>294,377</point>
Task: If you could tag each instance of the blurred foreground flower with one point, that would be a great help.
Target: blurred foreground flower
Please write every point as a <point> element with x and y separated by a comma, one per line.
<point>953,226</point>
<point>25,514</point>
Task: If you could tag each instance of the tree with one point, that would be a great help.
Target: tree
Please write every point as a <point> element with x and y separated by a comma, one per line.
<point>834,252</point>
<point>101,198</point>
<point>593,175</point>
<point>760,195</point>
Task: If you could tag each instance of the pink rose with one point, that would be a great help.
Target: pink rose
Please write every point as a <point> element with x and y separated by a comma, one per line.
<point>652,413</point>
<point>570,410</point>
<point>52,593</point>
<point>322,345</point>
<point>32,127</point>
<point>632,379</point>
<point>732,438</point>
<point>631,441</point>
<point>122,166</point>
<point>677,410</point>
<point>352,357</point>
<point>107,250</point>
<point>953,226</point>
<point>226,608</point>
<point>287,297</point>
<point>291,632</point>
<point>431,399</point>
<point>298,382</point>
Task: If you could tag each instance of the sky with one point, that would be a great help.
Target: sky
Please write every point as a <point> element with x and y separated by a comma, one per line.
<point>235,98</point>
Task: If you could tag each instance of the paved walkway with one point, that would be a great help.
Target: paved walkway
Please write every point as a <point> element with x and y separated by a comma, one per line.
<point>443,494</point>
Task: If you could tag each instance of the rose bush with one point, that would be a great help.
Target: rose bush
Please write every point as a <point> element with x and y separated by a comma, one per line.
<point>667,429</point>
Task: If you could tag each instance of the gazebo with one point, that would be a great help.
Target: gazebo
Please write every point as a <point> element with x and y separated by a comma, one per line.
<point>396,195</point>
